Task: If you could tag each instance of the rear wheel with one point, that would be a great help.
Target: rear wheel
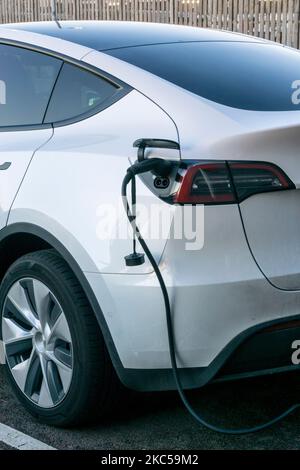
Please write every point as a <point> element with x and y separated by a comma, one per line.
<point>56,358</point>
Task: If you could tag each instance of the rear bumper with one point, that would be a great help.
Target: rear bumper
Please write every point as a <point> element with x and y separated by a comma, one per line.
<point>214,341</point>
<point>260,350</point>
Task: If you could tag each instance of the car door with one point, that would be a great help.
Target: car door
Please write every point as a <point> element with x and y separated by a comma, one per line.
<point>26,82</point>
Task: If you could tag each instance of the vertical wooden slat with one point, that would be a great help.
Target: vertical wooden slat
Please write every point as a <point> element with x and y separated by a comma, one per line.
<point>267,22</point>
<point>241,15</point>
<point>230,16</point>
<point>284,22</point>
<point>204,13</point>
<point>199,13</point>
<point>4,12</point>
<point>123,8</point>
<point>131,6</point>
<point>175,11</point>
<point>191,19</point>
<point>110,10</point>
<point>11,10</point>
<point>145,16</point>
<point>262,19</point>
<point>1,13</point>
<point>224,15</point>
<point>73,9</point>
<point>219,7</point>
<point>179,11</point>
<point>251,17</point>
<point>189,12</point>
<point>244,16</point>
<point>214,13</point>
<point>209,13</point>
<point>290,22</point>
<point>8,14</point>
<point>278,21</point>
<point>171,11</point>
<point>196,13</point>
<point>273,20</point>
<point>295,24</point>
<point>136,10</point>
<point>256,17</point>
<point>14,5</point>
<point>185,11</point>
<point>77,10</point>
<point>6,18</point>
<point>235,15</point>
<point>196,18</point>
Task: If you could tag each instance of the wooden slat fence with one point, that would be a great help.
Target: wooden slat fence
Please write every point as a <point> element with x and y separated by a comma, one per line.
<point>277,20</point>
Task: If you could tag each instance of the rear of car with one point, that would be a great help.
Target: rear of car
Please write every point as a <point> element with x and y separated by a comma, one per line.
<point>238,125</point>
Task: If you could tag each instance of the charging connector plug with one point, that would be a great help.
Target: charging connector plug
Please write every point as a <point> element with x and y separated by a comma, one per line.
<point>161,168</point>
<point>158,166</point>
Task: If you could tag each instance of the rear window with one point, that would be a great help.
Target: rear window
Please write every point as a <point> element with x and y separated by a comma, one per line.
<point>251,76</point>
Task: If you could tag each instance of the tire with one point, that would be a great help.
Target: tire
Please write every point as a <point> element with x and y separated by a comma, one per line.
<point>48,390</point>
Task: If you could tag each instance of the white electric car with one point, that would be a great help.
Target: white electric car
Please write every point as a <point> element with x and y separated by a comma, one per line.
<point>224,109</point>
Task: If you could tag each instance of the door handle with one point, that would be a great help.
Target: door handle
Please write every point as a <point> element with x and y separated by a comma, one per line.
<point>5,166</point>
<point>141,144</point>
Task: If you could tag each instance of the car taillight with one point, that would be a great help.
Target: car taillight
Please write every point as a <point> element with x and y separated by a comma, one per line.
<point>206,183</point>
<point>229,182</point>
<point>255,177</point>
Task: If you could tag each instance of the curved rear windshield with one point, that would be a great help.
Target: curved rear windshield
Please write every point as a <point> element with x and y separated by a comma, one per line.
<point>251,76</point>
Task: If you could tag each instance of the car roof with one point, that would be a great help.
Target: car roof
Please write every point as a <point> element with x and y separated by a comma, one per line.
<point>105,35</point>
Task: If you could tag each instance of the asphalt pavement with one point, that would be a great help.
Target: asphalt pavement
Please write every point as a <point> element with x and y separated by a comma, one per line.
<point>159,421</point>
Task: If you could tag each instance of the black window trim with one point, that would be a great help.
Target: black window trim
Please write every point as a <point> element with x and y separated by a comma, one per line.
<point>122,88</point>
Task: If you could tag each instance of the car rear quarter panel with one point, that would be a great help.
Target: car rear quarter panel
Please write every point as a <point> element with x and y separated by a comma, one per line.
<point>73,186</point>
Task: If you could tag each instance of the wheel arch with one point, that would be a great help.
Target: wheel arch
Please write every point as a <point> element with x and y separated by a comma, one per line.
<point>19,239</point>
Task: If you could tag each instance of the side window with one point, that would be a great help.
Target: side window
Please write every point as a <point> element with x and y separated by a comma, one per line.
<point>27,79</point>
<point>77,92</point>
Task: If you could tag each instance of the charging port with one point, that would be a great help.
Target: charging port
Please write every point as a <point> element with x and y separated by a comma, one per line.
<point>161,182</point>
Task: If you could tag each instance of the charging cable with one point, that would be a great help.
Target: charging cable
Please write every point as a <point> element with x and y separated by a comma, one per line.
<point>162,167</point>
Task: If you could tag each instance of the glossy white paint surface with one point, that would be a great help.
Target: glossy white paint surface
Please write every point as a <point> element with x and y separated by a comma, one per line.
<point>76,178</point>
<point>16,148</point>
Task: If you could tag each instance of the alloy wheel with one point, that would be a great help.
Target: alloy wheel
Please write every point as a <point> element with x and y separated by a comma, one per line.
<point>37,342</point>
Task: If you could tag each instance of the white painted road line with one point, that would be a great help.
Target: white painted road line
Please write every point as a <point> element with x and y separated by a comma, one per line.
<point>20,441</point>
<point>2,353</point>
